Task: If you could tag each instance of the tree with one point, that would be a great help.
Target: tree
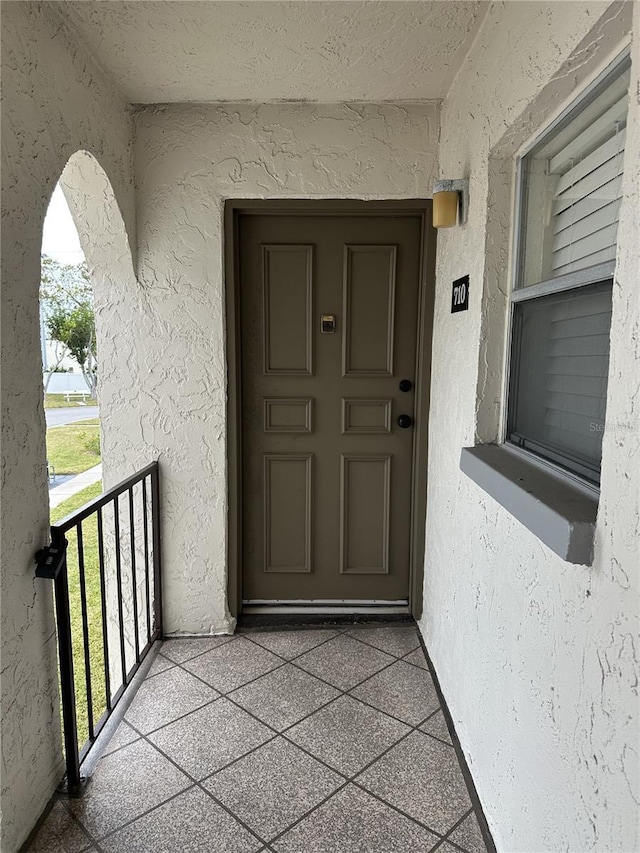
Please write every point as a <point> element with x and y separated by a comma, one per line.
<point>67,299</point>
<point>60,353</point>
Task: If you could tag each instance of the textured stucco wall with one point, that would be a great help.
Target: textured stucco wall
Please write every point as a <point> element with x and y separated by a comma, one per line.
<point>537,658</point>
<point>55,102</point>
<point>188,160</point>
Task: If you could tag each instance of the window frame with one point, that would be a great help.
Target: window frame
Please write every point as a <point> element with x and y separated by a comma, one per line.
<point>519,292</point>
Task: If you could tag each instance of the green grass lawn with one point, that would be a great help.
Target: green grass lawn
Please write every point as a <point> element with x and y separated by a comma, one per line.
<point>57,401</point>
<point>73,448</point>
<point>94,611</point>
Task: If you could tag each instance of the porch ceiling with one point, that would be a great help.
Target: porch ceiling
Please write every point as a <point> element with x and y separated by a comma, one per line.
<point>179,50</point>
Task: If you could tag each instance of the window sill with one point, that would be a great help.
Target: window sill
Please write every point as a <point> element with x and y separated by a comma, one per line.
<point>558,511</point>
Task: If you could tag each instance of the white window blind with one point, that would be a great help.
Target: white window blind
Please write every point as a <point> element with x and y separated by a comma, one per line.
<point>573,189</point>
<point>577,367</point>
<point>586,202</point>
<point>561,376</point>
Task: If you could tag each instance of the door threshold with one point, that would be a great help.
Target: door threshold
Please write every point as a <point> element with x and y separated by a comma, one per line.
<point>325,608</point>
<point>296,621</point>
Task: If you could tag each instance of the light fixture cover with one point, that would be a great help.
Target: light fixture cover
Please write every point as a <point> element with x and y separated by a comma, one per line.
<point>445,189</point>
<point>445,209</point>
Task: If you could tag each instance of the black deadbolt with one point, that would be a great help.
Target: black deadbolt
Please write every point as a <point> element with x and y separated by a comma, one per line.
<point>405,385</point>
<point>404,421</point>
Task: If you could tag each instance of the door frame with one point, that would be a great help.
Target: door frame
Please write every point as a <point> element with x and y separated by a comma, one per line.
<point>233,210</point>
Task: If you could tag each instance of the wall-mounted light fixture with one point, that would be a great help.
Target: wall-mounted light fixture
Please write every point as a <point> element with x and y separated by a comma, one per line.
<point>450,203</point>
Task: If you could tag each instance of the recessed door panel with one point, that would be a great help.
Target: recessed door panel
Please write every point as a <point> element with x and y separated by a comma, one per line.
<point>362,417</point>
<point>288,499</point>
<point>364,514</point>
<point>282,414</point>
<point>369,305</point>
<point>328,318</point>
<point>288,299</point>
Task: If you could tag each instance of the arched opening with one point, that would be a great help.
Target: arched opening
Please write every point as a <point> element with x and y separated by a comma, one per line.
<point>87,287</point>
<point>69,361</point>
<point>90,273</point>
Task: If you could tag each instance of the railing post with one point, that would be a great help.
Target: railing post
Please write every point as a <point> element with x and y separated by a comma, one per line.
<point>157,559</point>
<point>65,652</point>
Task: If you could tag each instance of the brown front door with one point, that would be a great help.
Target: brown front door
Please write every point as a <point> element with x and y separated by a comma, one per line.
<point>329,316</point>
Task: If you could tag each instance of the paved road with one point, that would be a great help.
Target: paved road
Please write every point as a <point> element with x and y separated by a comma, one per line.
<point>59,417</point>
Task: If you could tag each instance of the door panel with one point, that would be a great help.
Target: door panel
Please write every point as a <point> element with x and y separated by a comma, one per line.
<point>365,514</point>
<point>326,471</point>
<point>288,508</point>
<point>369,291</point>
<point>365,416</point>
<point>288,415</point>
<point>288,300</point>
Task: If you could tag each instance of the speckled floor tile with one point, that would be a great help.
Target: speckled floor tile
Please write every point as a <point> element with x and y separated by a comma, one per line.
<point>421,776</point>
<point>343,661</point>
<point>159,665</point>
<point>417,658</point>
<point>290,644</point>
<point>437,727</point>
<point>185,648</point>
<point>273,787</point>
<point>396,640</point>
<point>270,793</point>
<point>469,836</point>
<point>347,735</point>
<point>233,664</point>
<point>124,785</point>
<point>122,736</point>
<point>284,696</point>
<point>165,697</point>
<point>402,690</point>
<point>354,822</point>
<point>189,823</point>
<point>210,738</point>
<point>60,833</point>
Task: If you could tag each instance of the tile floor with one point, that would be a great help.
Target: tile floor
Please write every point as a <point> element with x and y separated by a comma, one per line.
<point>303,741</point>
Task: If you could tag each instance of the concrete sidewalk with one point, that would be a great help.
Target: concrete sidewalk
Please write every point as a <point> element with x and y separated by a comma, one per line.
<point>74,485</point>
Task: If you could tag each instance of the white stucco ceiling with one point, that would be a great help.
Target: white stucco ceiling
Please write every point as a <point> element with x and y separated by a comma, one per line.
<point>223,50</point>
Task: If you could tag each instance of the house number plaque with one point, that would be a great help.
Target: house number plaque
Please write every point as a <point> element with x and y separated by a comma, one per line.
<point>460,295</point>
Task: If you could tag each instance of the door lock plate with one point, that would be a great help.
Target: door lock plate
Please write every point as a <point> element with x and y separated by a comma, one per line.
<point>327,324</point>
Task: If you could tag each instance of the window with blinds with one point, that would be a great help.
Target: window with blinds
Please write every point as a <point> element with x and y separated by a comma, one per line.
<point>570,190</point>
<point>559,376</point>
<point>572,187</point>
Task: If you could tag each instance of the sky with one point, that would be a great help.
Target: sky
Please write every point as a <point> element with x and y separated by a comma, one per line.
<point>59,235</point>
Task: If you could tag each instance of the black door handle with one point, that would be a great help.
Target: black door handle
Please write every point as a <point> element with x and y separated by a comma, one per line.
<point>404,421</point>
<point>405,385</point>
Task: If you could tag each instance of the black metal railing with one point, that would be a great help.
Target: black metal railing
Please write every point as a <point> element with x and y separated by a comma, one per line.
<point>104,560</point>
